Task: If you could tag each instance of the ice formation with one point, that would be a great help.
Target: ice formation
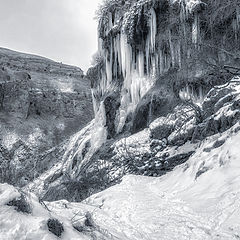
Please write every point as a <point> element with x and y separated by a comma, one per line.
<point>133,69</point>
<point>190,93</point>
<point>195,29</point>
<point>122,60</point>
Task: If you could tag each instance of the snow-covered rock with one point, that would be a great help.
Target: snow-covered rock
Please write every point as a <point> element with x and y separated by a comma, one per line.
<point>16,225</point>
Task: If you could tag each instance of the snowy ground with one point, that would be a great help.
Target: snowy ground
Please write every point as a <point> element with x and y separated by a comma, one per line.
<point>197,200</point>
<point>19,226</point>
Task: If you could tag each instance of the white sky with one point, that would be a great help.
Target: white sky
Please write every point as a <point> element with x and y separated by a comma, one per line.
<point>63,30</point>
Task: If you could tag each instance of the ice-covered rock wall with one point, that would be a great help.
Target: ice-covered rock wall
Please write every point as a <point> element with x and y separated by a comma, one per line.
<point>129,67</point>
<point>140,41</point>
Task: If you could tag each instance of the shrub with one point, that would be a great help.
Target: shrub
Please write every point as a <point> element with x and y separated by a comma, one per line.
<point>55,227</point>
<point>21,205</point>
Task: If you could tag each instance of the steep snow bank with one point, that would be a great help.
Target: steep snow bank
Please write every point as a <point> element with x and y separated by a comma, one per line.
<point>198,200</point>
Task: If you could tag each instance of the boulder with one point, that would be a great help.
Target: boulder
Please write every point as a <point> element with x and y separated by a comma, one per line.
<point>176,126</point>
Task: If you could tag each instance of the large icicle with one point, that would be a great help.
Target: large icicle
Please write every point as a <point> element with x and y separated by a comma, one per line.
<point>195,30</point>
<point>153,29</point>
<point>171,48</point>
<point>140,64</point>
<point>99,133</point>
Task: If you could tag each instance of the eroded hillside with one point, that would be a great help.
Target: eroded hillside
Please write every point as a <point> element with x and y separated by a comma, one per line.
<point>42,103</point>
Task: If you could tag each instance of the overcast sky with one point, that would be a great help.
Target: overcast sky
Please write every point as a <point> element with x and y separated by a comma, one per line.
<point>63,30</point>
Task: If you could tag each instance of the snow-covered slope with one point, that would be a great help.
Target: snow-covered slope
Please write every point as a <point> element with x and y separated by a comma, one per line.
<point>20,226</point>
<point>197,200</point>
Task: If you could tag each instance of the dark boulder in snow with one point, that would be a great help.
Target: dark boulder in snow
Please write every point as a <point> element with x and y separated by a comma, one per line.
<point>55,227</point>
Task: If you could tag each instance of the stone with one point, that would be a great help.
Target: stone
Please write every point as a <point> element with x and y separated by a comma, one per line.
<point>111,103</point>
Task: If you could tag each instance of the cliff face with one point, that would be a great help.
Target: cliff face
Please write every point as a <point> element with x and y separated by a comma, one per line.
<point>42,103</point>
<point>185,47</point>
<point>157,62</point>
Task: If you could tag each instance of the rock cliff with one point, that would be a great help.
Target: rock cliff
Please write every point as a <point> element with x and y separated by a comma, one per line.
<point>42,103</point>
<point>157,74</point>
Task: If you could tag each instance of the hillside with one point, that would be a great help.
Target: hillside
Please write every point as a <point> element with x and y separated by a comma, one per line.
<point>42,103</point>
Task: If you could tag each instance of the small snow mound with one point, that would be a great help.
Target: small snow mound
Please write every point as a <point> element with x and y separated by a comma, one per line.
<point>17,225</point>
<point>7,193</point>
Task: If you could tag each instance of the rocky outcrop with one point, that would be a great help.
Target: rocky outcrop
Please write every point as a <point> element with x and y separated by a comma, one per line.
<point>176,127</point>
<point>223,103</point>
<point>220,111</point>
<point>32,85</point>
<point>159,101</point>
<point>111,104</point>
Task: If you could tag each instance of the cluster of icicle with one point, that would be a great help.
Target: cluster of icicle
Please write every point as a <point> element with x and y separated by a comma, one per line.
<point>189,93</point>
<point>236,23</point>
<point>137,68</point>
